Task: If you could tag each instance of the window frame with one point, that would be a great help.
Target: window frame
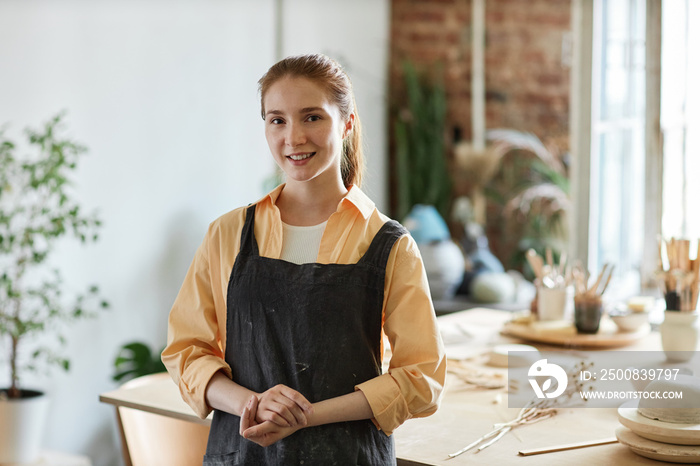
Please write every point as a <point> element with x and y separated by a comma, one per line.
<point>584,67</point>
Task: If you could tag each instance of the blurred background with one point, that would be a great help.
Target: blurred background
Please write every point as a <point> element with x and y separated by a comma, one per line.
<point>540,122</point>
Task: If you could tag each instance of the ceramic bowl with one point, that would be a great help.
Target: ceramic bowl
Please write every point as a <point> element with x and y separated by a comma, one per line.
<point>630,321</point>
<point>683,410</point>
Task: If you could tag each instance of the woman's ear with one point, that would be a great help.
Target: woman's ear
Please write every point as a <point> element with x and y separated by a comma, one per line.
<point>349,124</point>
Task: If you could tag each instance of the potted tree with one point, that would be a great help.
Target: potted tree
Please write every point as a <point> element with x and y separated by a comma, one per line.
<point>37,209</point>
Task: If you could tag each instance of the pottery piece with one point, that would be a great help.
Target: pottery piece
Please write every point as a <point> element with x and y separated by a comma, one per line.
<point>679,335</point>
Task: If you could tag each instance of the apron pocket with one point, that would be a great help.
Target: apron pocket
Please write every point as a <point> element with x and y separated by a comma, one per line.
<point>229,459</point>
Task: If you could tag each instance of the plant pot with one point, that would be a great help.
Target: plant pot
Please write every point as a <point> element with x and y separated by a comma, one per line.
<point>22,422</point>
<point>679,335</point>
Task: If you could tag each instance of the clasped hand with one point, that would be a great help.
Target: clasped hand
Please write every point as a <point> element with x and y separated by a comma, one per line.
<point>274,415</point>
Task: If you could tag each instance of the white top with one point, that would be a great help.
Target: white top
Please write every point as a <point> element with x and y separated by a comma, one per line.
<point>300,245</point>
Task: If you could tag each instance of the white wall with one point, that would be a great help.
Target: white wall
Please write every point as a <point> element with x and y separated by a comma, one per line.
<point>163,93</point>
<point>356,34</point>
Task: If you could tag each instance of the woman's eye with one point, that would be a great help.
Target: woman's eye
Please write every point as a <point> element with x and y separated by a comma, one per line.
<point>276,121</point>
<point>313,118</point>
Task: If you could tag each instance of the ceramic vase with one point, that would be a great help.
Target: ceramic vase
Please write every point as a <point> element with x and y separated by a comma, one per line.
<point>442,258</point>
<point>679,335</point>
<point>444,266</point>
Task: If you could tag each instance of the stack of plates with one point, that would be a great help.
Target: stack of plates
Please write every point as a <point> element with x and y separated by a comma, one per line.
<point>665,441</point>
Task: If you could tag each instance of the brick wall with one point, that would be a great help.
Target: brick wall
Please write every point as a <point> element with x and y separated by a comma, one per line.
<point>526,81</point>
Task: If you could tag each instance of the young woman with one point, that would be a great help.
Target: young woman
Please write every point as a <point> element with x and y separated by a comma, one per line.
<point>280,321</point>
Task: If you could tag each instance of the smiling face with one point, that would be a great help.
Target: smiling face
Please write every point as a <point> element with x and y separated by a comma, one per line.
<point>304,130</point>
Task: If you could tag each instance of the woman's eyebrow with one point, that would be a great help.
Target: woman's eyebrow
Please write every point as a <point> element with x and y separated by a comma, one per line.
<point>302,110</point>
<point>311,109</point>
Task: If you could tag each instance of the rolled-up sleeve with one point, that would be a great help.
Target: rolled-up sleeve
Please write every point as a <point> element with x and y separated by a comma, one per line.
<point>413,385</point>
<point>194,353</point>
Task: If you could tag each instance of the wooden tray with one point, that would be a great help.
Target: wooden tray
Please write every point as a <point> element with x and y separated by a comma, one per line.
<point>607,337</point>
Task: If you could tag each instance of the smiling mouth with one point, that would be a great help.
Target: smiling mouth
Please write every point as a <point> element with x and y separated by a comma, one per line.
<point>299,157</point>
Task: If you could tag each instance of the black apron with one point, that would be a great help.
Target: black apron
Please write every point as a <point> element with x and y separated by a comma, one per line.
<point>315,328</point>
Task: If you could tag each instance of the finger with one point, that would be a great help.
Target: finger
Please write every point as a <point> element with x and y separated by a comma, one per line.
<point>252,409</point>
<point>280,415</point>
<point>287,409</point>
<point>279,410</point>
<point>292,412</point>
<point>245,418</point>
<point>252,433</point>
<point>297,398</point>
<point>272,416</point>
<point>258,432</point>
<point>295,406</point>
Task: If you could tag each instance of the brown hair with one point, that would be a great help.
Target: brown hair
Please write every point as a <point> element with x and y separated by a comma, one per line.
<point>329,74</point>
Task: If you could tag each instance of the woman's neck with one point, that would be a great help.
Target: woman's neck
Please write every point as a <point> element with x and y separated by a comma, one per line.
<point>308,203</point>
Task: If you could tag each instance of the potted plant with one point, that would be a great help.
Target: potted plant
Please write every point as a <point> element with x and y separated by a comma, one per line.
<point>419,133</point>
<point>423,181</point>
<point>37,209</point>
<point>136,359</point>
<point>532,191</point>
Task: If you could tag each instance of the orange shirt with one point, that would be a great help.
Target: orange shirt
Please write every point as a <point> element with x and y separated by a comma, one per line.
<point>197,324</point>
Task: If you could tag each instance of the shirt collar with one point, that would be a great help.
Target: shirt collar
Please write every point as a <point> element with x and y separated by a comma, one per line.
<point>272,196</point>
<point>359,200</point>
<point>355,198</point>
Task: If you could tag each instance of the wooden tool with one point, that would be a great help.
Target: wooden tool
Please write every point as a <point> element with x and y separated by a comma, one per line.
<point>594,292</point>
<point>568,446</point>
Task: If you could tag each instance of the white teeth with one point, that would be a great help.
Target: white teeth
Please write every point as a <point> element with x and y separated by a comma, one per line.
<point>301,157</point>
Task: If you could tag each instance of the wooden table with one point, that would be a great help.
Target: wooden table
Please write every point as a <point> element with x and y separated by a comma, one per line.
<point>466,413</point>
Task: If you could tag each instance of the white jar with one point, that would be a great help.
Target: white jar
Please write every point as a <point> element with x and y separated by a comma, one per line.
<point>444,266</point>
<point>679,335</point>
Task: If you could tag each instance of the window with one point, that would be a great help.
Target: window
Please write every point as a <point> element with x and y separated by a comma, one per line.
<point>680,118</point>
<point>632,69</point>
<point>617,138</point>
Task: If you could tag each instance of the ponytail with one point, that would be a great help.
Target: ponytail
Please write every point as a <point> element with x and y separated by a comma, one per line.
<point>352,164</point>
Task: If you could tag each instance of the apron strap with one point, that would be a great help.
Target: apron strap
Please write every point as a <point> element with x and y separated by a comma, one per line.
<point>378,252</point>
<point>249,244</point>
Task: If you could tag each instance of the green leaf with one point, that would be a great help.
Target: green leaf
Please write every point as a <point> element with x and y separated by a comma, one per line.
<point>38,211</point>
<point>118,376</point>
<point>419,133</point>
<point>136,359</point>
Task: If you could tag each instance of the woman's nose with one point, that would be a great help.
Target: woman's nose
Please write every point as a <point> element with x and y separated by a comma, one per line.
<point>295,135</point>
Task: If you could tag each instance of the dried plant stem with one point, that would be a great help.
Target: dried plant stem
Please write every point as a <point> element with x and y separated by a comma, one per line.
<point>527,415</point>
